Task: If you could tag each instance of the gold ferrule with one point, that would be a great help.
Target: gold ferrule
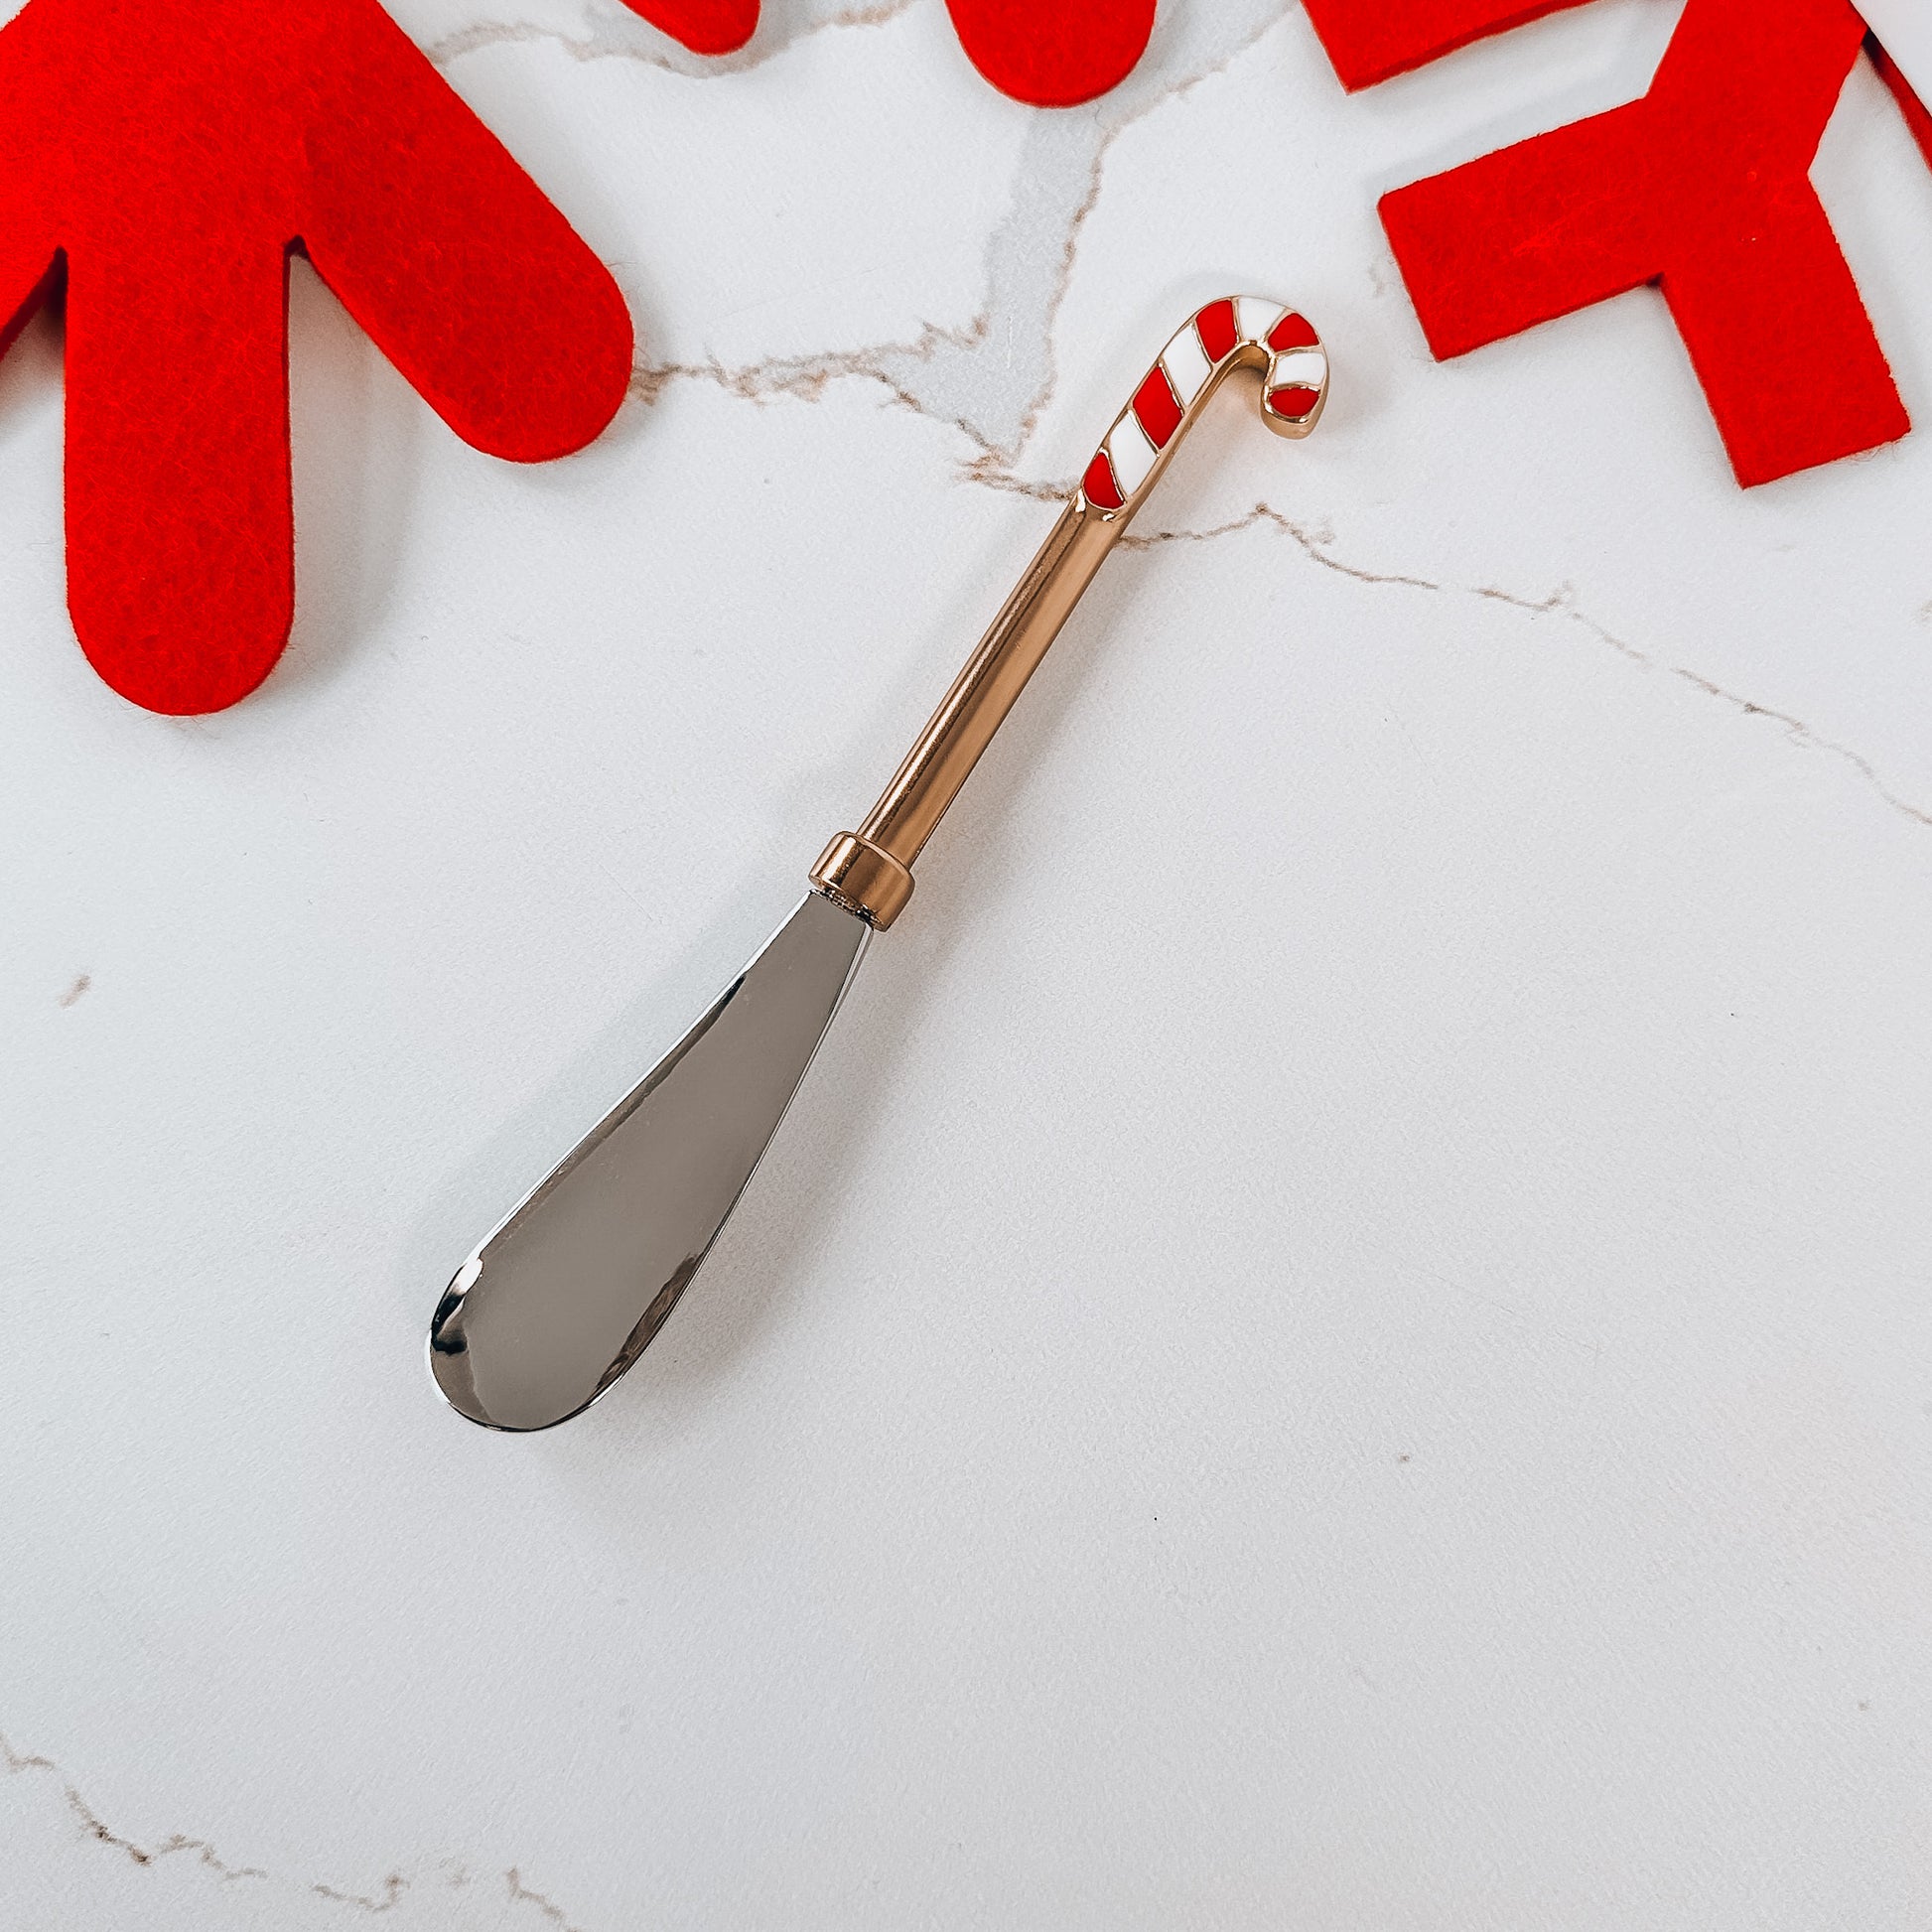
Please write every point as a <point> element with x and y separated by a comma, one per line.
<point>864,879</point>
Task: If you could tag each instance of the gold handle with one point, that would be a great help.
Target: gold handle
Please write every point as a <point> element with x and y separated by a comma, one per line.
<point>870,871</point>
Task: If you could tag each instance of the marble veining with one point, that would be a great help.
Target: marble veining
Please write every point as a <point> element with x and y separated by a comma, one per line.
<point>1391,1391</point>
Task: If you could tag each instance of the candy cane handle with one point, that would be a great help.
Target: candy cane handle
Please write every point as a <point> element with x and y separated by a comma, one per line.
<point>870,871</point>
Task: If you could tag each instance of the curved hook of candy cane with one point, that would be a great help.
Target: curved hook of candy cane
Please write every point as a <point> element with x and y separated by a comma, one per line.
<point>1238,332</point>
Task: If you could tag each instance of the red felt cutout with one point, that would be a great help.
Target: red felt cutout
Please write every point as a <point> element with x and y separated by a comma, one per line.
<point>1048,53</point>
<point>1371,40</point>
<point>1916,117</point>
<point>165,155</point>
<point>704,26</point>
<point>1053,53</point>
<point>1703,186</point>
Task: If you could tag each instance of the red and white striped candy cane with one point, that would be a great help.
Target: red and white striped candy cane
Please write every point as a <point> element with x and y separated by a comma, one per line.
<point>1238,332</point>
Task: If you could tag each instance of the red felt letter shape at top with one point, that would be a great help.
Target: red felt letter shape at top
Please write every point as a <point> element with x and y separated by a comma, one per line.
<point>704,26</point>
<point>1047,53</point>
<point>1916,117</point>
<point>166,156</point>
<point>1053,53</point>
<point>1703,186</point>
<point>1373,40</point>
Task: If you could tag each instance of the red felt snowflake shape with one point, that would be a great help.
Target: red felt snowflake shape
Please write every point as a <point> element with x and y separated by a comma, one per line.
<point>1702,187</point>
<point>160,160</point>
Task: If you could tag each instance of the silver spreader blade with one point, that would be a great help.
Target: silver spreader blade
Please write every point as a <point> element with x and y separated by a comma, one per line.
<point>570,1290</point>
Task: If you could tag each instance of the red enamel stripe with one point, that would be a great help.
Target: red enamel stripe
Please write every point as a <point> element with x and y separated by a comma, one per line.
<point>1215,327</point>
<point>1294,402</point>
<point>1158,411</point>
<point>1103,492</point>
<point>1292,331</point>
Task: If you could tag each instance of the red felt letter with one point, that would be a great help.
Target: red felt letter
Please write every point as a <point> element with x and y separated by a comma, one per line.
<point>1703,186</point>
<point>1053,53</point>
<point>1916,117</point>
<point>1050,52</point>
<point>1372,40</point>
<point>704,26</point>
<point>171,153</point>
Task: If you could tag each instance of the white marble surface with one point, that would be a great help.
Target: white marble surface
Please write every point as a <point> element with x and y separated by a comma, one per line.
<point>1342,1337</point>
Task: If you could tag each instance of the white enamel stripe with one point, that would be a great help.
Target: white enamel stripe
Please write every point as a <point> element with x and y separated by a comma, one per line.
<point>1255,316</point>
<point>1131,454</point>
<point>1299,368</point>
<point>1186,365</point>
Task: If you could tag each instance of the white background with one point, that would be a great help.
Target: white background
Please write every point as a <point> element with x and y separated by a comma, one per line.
<point>1340,1339</point>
